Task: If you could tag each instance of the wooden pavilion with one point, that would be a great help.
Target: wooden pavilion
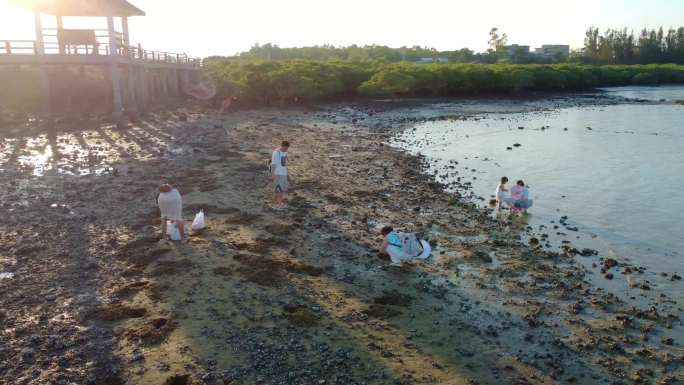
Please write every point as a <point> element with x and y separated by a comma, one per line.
<point>137,75</point>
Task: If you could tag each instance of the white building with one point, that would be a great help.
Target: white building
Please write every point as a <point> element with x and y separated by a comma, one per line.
<point>430,60</point>
<point>515,49</point>
<point>552,51</point>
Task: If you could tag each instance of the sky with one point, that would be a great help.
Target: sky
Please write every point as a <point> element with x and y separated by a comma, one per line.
<point>225,27</point>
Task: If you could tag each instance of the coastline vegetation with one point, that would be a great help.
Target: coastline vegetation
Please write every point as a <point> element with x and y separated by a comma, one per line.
<point>268,74</point>
<point>294,81</point>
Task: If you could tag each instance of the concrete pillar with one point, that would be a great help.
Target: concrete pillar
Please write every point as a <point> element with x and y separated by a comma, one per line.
<point>45,91</point>
<point>60,35</point>
<point>42,68</point>
<point>164,83</point>
<point>151,84</point>
<point>38,24</point>
<point>117,99</point>
<point>176,83</point>
<point>143,88</point>
<point>131,99</point>
<point>171,84</point>
<point>126,37</point>
<point>184,79</point>
<point>148,84</point>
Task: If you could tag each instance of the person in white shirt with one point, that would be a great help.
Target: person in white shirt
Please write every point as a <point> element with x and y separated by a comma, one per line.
<point>171,207</point>
<point>501,193</point>
<point>280,175</point>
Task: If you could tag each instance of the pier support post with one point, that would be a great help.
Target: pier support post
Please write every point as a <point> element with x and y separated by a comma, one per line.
<point>60,36</point>
<point>143,88</point>
<point>117,99</point>
<point>130,92</point>
<point>154,89</point>
<point>44,79</point>
<point>117,105</point>
<point>46,93</point>
<point>38,24</point>
<point>164,83</point>
<point>176,83</point>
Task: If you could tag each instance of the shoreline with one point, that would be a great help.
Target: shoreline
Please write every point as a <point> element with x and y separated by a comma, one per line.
<point>258,286</point>
<point>441,168</point>
<point>71,121</point>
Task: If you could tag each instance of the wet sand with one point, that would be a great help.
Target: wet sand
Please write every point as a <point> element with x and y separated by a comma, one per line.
<point>300,297</point>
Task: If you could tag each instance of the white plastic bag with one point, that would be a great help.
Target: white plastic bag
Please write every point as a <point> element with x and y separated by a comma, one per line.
<point>172,231</point>
<point>198,222</point>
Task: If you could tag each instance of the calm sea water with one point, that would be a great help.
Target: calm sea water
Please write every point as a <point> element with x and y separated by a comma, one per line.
<point>615,171</point>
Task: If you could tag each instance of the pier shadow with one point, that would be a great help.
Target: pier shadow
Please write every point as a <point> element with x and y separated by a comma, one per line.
<point>61,300</point>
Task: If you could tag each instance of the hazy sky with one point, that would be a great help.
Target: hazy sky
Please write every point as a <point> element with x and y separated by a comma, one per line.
<point>205,27</point>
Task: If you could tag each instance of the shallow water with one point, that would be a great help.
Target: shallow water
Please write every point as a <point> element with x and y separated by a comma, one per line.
<point>613,170</point>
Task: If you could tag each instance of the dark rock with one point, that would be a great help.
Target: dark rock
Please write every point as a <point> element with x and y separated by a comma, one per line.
<point>588,252</point>
<point>609,262</point>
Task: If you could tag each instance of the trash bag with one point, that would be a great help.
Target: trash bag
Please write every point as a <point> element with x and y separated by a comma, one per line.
<point>198,222</point>
<point>172,231</point>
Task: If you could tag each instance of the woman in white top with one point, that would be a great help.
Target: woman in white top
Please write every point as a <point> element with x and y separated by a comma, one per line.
<point>501,191</point>
<point>171,207</point>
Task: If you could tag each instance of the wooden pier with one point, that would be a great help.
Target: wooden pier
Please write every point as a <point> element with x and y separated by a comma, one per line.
<point>137,75</point>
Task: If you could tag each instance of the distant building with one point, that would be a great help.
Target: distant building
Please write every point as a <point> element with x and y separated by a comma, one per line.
<point>431,60</point>
<point>515,49</point>
<point>552,51</point>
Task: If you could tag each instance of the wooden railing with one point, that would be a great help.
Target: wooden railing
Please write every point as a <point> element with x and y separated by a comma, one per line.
<point>138,53</point>
<point>17,47</point>
<point>99,47</point>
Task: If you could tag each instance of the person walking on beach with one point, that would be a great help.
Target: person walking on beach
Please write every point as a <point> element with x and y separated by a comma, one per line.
<point>171,208</point>
<point>501,191</point>
<point>280,175</point>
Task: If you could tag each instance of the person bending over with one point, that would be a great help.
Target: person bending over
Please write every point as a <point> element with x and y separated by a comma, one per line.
<point>520,196</point>
<point>391,245</point>
<point>171,207</point>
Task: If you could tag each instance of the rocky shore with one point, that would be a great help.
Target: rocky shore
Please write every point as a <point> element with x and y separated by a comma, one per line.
<point>90,296</point>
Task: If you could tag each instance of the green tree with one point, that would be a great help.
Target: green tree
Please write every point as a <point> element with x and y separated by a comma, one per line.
<point>496,41</point>
<point>388,82</point>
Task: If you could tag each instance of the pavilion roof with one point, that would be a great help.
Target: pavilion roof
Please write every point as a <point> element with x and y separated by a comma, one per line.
<point>82,7</point>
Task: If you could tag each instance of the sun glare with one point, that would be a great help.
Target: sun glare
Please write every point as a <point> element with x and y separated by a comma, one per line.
<point>15,22</point>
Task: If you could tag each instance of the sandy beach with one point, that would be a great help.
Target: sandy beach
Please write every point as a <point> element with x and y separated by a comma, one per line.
<point>90,295</point>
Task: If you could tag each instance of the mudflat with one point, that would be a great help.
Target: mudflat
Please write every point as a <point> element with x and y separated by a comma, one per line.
<point>91,296</point>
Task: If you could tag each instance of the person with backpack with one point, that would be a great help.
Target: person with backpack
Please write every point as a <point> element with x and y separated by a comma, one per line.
<point>278,170</point>
<point>403,246</point>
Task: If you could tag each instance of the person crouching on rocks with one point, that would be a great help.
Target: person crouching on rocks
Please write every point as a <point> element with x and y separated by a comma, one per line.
<point>520,196</point>
<point>171,207</point>
<point>402,247</point>
<point>281,181</point>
